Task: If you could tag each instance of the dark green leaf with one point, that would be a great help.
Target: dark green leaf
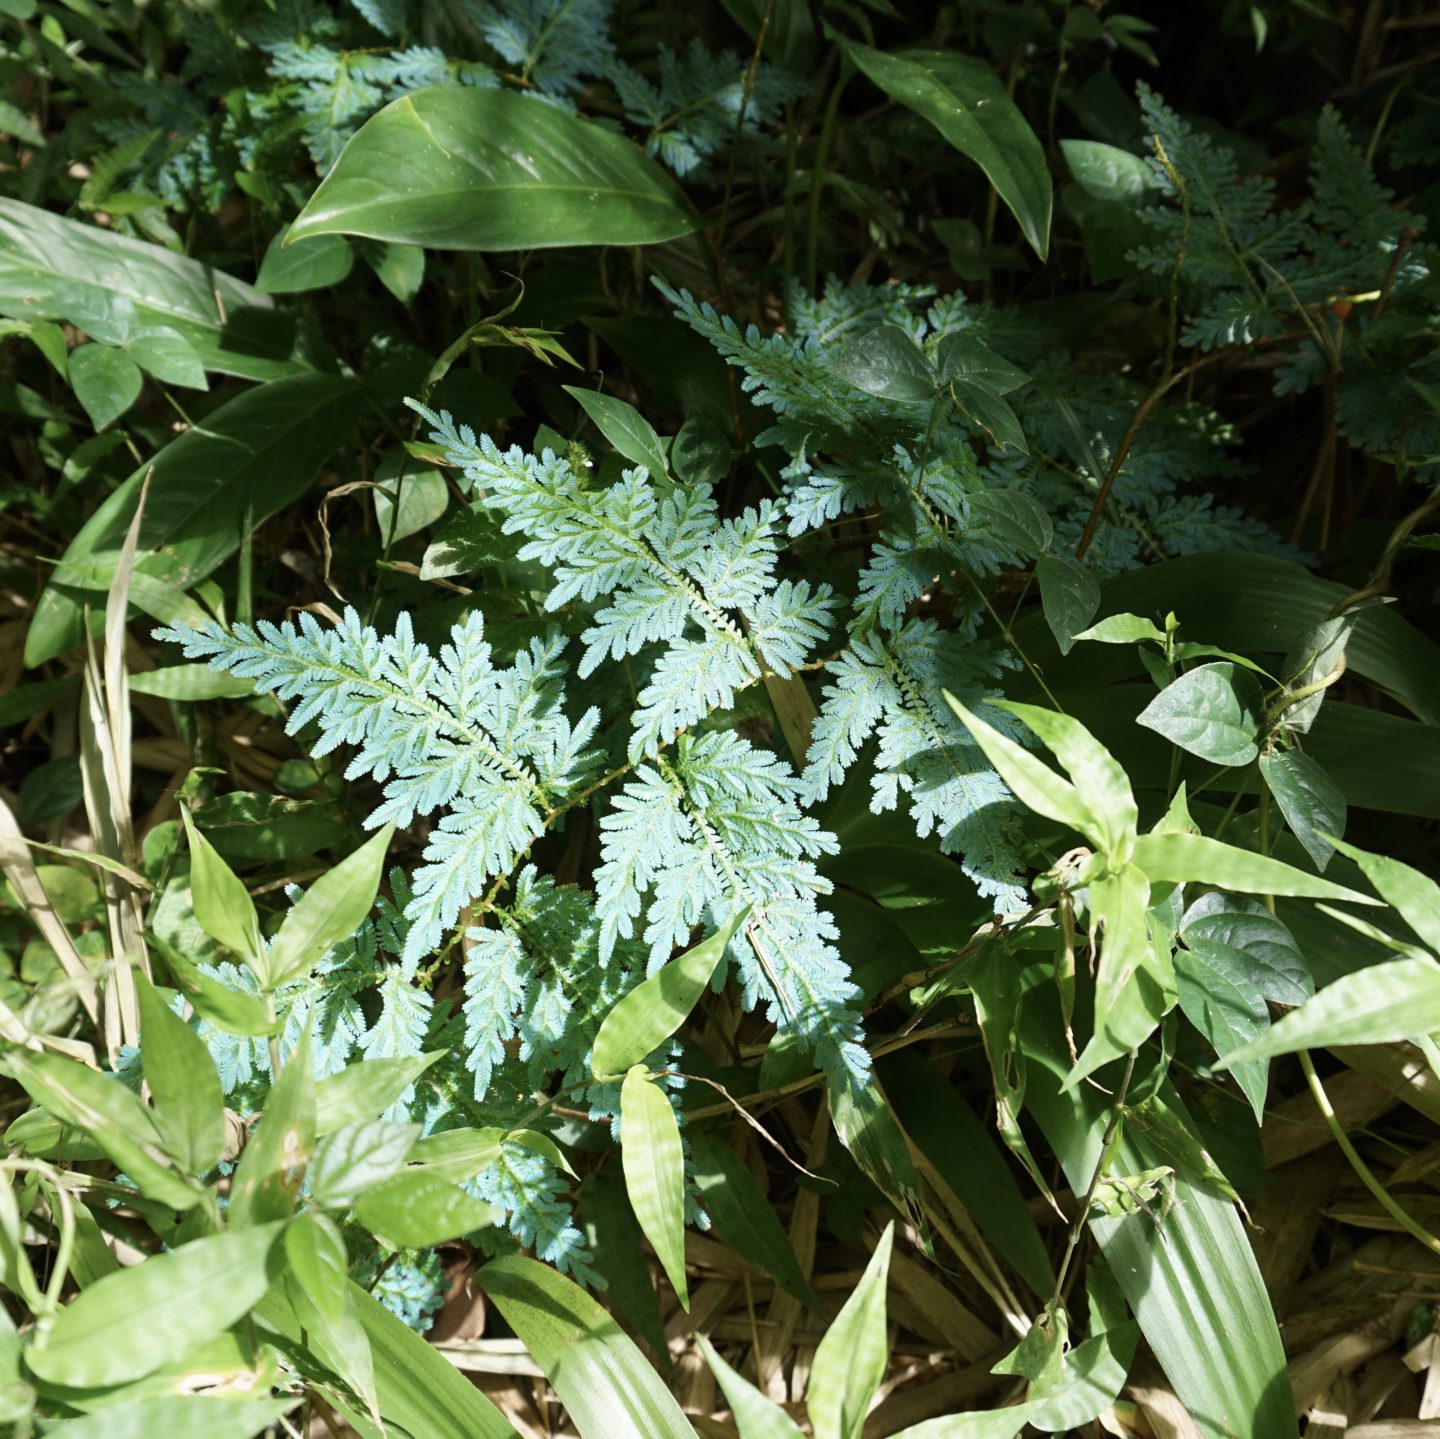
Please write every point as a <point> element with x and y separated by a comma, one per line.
<point>1308,798</point>
<point>459,168</point>
<point>963,357</point>
<point>1013,519</point>
<point>867,1128</point>
<point>1107,172</point>
<point>105,381</point>
<point>887,363</point>
<point>245,826</point>
<point>624,426</point>
<point>1215,711</point>
<point>1069,594</point>
<point>700,452</point>
<point>423,498</point>
<point>401,268</point>
<point>468,541</point>
<point>168,355</point>
<point>310,265</point>
<point>992,414</point>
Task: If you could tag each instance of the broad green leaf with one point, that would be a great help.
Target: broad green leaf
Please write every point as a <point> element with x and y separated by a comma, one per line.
<point>969,105</point>
<point>113,287</point>
<point>423,498</point>
<point>366,1089</point>
<point>458,1154</point>
<point>1246,925</point>
<point>1415,895</point>
<point>1123,630</point>
<point>314,264</point>
<point>315,1251</point>
<point>168,356</point>
<point>105,382</point>
<point>356,1158</point>
<point>1308,798</point>
<point>231,1010</point>
<point>700,453</point>
<point>415,1209</point>
<point>223,906</point>
<point>101,1109</point>
<point>190,683</point>
<point>1196,859</point>
<point>1107,172</point>
<point>225,1417</point>
<point>459,168</point>
<point>887,363</point>
<point>962,357</point>
<point>1012,518</point>
<point>1399,999</point>
<point>743,1216</point>
<point>654,1164</point>
<point>1069,595</point>
<point>609,1389</point>
<point>184,1086</point>
<point>963,1152</point>
<point>400,268</point>
<point>39,1133</point>
<point>272,1165</point>
<point>1095,773</point>
<point>1215,712</point>
<point>625,427</point>
<point>996,418</point>
<point>850,1362</point>
<point>651,1012</point>
<point>131,1322</point>
<point>330,911</point>
<point>252,456</point>
<point>756,1416</point>
<point>243,826</point>
<point>1033,782</point>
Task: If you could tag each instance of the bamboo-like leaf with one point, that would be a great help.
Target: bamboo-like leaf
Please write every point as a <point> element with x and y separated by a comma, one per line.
<point>223,905</point>
<point>1415,895</point>
<point>185,1088</point>
<point>1197,859</point>
<point>654,1165</point>
<point>756,1416</point>
<point>607,1386</point>
<point>850,1362</point>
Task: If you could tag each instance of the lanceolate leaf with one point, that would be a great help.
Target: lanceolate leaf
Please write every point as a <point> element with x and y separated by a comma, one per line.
<point>252,456</point>
<point>850,1362</point>
<point>1196,859</point>
<point>756,1416</point>
<point>1069,595</point>
<point>609,1389</point>
<point>1308,798</point>
<point>1415,895</point>
<point>189,1107</point>
<point>655,1171</point>
<point>624,426</point>
<point>460,168</point>
<point>963,98</point>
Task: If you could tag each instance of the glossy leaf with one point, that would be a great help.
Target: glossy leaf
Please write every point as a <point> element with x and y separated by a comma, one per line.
<point>272,1165</point>
<point>458,1154</point>
<point>850,1362</point>
<point>654,1164</point>
<point>624,426</point>
<point>366,1089</point>
<point>1015,520</point>
<point>231,1010</point>
<point>1415,895</point>
<point>1309,799</point>
<point>1196,859</point>
<point>105,381</point>
<point>330,911</point>
<point>131,1322</point>
<point>252,456</point>
<point>459,168</point>
<point>1069,595</point>
<point>414,1209</point>
<point>312,265</point>
<point>1106,172</point>
<point>113,287</point>
<point>887,363</point>
<point>1123,629</point>
<point>965,100</point>
<point>608,1388</point>
<point>223,906</point>
<point>356,1158</point>
<point>1399,999</point>
<point>184,1087</point>
<point>168,355</point>
<point>1215,712</point>
<point>646,1017</point>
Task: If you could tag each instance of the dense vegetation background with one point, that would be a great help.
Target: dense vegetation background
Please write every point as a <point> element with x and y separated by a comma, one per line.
<point>550,551</point>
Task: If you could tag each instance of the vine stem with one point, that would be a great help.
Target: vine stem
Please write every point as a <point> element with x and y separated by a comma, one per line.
<point>1387,1202</point>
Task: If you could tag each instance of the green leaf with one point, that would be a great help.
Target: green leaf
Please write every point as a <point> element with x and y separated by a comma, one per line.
<point>252,456</point>
<point>1415,895</point>
<point>223,907</point>
<point>609,1389</point>
<point>315,1251</point>
<point>168,355</point>
<point>1107,172</point>
<point>1397,1000</point>
<point>1314,656</point>
<point>1245,924</point>
<point>101,1109</point>
<point>189,683</point>
<point>400,268</point>
<point>1069,595</point>
<point>459,168</point>
<point>105,382</point>
<point>469,540</point>
<point>995,417</point>
<point>962,357</point>
<point>625,427</point>
<point>1308,798</point>
<point>247,826</point>
<point>356,1158</point>
<point>423,498</point>
<point>965,100</point>
<point>225,1417</point>
<point>850,1362</point>
<point>366,1089</point>
<point>131,1322</point>
<point>415,1209</point>
<point>330,911</point>
<point>887,363</point>
<point>756,1416</point>
<point>458,1154</point>
<point>272,1165</point>
<point>1215,712</point>
<point>654,1165</point>
<point>184,1087</point>
<point>231,1010</point>
<point>113,287</point>
<point>620,1256</point>
<point>1123,630</point>
<point>651,1012</point>
<point>868,1129</point>
<point>316,264</point>
<point>700,453</point>
<point>1196,859</point>
<point>744,1218</point>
